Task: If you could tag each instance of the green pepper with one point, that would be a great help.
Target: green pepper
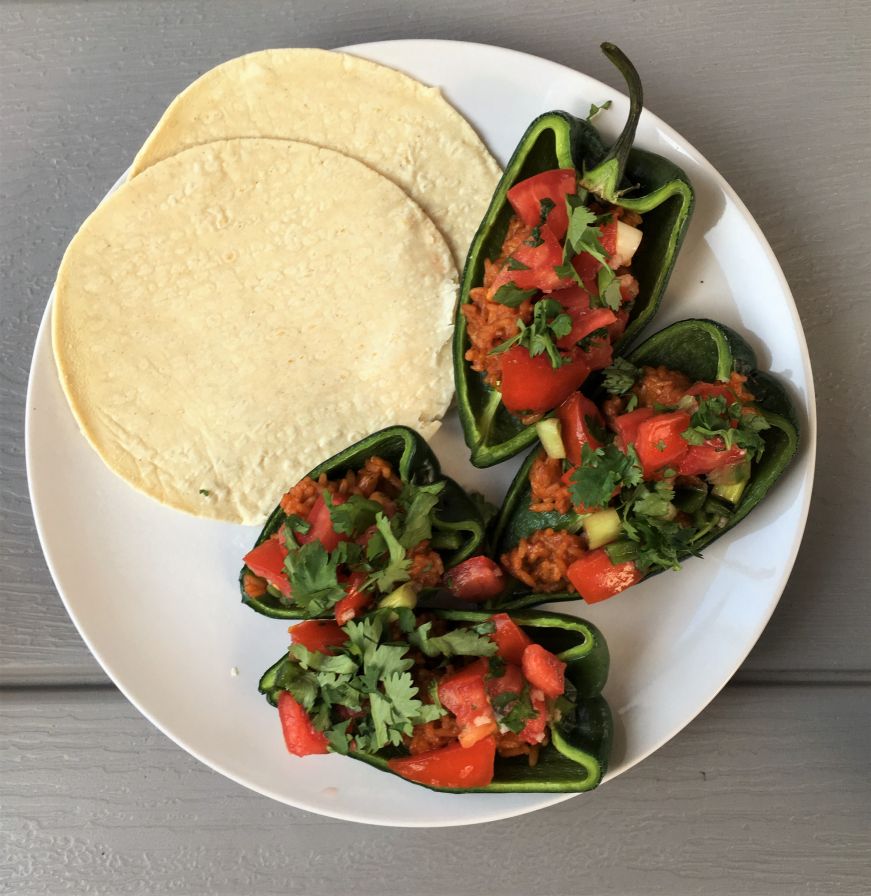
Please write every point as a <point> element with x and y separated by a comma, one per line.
<point>659,190</point>
<point>458,528</point>
<point>576,758</point>
<point>705,351</point>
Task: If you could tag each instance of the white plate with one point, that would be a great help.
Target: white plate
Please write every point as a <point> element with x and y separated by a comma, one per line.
<point>153,592</point>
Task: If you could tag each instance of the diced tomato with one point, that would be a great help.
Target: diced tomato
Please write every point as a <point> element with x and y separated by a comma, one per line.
<point>532,384</point>
<point>354,602</point>
<point>267,561</point>
<point>464,694</point>
<point>600,354</point>
<point>526,196</point>
<point>626,426</point>
<point>712,390</point>
<point>659,442</point>
<point>596,578</point>
<point>511,681</point>
<point>318,635</point>
<point>616,330</point>
<point>608,236</point>
<point>321,525</point>
<point>588,269</point>
<point>540,262</point>
<point>301,737</point>
<point>477,578</point>
<point>533,730</point>
<point>453,766</point>
<point>710,456</point>
<point>576,303</point>
<point>578,417</point>
<point>543,670</point>
<point>510,638</point>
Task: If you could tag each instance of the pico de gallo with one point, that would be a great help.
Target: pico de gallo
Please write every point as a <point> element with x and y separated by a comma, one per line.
<point>363,538</point>
<point>441,702</point>
<point>638,481</point>
<point>557,296</point>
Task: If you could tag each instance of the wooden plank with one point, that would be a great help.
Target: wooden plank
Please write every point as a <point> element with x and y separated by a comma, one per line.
<point>766,793</point>
<point>775,94</point>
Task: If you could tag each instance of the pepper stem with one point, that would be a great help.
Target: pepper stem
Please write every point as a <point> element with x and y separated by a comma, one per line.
<point>604,180</point>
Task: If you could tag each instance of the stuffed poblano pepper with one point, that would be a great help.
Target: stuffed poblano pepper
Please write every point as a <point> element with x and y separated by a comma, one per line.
<point>378,519</point>
<point>570,261</point>
<point>682,440</point>
<point>453,700</point>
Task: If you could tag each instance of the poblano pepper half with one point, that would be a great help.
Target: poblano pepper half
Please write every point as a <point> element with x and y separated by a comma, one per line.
<point>436,507</point>
<point>573,758</point>
<point>704,351</point>
<point>631,179</point>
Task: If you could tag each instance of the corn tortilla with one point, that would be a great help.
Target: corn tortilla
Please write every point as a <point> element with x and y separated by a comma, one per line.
<point>244,309</point>
<point>403,129</point>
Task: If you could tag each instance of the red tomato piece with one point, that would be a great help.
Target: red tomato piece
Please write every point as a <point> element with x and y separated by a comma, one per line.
<point>354,601</point>
<point>712,455</point>
<point>543,670</point>
<point>608,237</point>
<point>659,442</point>
<point>578,416</point>
<point>453,766</point>
<point>615,330</point>
<point>600,354</point>
<point>301,737</point>
<point>511,681</point>
<point>510,638</point>
<point>626,426</point>
<point>533,730</point>
<point>477,578</point>
<point>575,302</point>
<point>532,384</point>
<point>587,266</point>
<point>596,578</point>
<point>321,525</point>
<point>267,561</point>
<point>540,261</point>
<point>525,198</point>
<point>464,694</point>
<point>318,635</point>
<point>712,390</point>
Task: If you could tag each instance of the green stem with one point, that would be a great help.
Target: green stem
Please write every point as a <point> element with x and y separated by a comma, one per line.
<point>620,150</point>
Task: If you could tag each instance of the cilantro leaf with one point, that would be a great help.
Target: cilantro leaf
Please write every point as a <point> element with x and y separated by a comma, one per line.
<point>354,516</point>
<point>547,206</point>
<point>620,377</point>
<point>601,471</point>
<point>512,296</point>
<point>420,501</point>
<point>515,265</point>
<point>459,642</point>
<point>385,542</point>
<point>549,323</point>
<point>311,572</point>
<point>581,222</point>
<point>520,713</point>
<point>654,501</point>
<point>609,290</point>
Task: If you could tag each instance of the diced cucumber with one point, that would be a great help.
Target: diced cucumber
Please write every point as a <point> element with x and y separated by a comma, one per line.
<point>551,438</point>
<point>404,596</point>
<point>731,493</point>
<point>603,527</point>
<point>731,475</point>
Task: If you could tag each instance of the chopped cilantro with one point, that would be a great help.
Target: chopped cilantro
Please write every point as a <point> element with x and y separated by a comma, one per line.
<point>459,642</point>
<point>512,296</point>
<point>520,711</point>
<point>609,290</point>
<point>312,573</point>
<point>419,502</point>
<point>620,377</point>
<point>354,516</point>
<point>547,206</point>
<point>601,471</point>
<point>205,492</point>
<point>382,542</point>
<point>549,323</point>
<point>515,265</point>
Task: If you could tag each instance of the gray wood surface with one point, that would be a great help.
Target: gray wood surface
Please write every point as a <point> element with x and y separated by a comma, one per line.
<point>768,791</point>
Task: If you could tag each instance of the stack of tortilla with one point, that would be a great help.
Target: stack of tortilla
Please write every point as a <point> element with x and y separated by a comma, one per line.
<point>275,280</point>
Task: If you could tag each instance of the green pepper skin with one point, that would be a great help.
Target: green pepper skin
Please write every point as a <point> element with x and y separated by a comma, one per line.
<point>577,757</point>
<point>665,198</point>
<point>457,517</point>
<point>703,350</point>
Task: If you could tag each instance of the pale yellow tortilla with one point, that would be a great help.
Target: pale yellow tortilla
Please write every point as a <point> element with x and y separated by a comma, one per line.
<point>403,129</point>
<point>241,311</point>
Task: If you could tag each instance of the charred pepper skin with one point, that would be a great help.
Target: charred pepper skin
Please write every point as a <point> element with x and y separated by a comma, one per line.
<point>662,193</point>
<point>704,350</point>
<point>457,517</point>
<point>576,758</point>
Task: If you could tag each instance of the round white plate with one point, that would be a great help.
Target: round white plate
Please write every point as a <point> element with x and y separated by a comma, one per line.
<point>153,591</point>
